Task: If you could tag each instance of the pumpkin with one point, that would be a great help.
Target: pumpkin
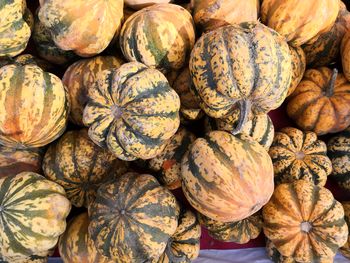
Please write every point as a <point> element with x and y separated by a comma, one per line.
<point>80,166</point>
<point>298,67</point>
<point>139,4</point>
<point>345,55</point>
<point>230,74</point>
<point>33,106</point>
<point>80,77</point>
<point>13,161</point>
<point>326,48</point>
<point>345,250</point>
<point>160,36</point>
<point>339,152</point>
<point>299,155</point>
<point>168,163</point>
<point>321,102</point>
<point>132,111</point>
<point>240,232</point>
<point>84,26</point>
<point>227,178</point>
<point>212,14</point>
<point>305,222</point>
<point>33,212</point>
<point>14,30</point>
<point>299,21</point>
<point>133,218</point>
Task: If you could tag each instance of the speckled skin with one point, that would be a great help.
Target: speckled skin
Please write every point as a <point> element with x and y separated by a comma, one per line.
<point>298,67</point>
<point>305,222</point>
<point>299,155</point>
<point>345,55</point>
<point>345,250</point>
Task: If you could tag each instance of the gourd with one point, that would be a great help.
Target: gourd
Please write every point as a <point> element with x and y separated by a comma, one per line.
<point>345,250</point>
<point>345,51</point>
<point>298,67</point>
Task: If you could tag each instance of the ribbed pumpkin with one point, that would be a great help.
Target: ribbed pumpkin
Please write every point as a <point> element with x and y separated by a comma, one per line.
<point>160,36</point>
<point>211,14</point>
<point>80,77</point>
<point>325,49</point>
<point>239,232</point>
<point>345,250</point>
<point>225,177</point>
<point>321,102</point>
<point>139,4</point>
<point>227,74</point>
<point>305,222</point>
<point>298,20</point>
<point>168,163</point>
<point>133,218</point>
<point>80,166</point>
<point>13,161</point>
<point>298,67</point>
<point>84,26</point>
<point>33,212</point>
<point>133,111</point>
<point>299,155</point>
<point>33,106</point>
<point>345,54</point>
<point>339,152</point>
<point>14,30</point>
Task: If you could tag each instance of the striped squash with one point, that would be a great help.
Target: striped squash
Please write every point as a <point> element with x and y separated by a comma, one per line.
<point>298,67</point>
<point>84,26</point>
<point>167,165</point>
<point>14,30</point>
<point>298,155</point>
<point>133,218</point>
<point>240,232</point>
<point>299,21</point>
<point>345,55</point>
<point>339,152</point>
<point>230,74</point>
<point>33,212</point>
<point>132,112</point>
<point>139,4</point>
<point>160,36</point>
<point>80,166</point>
<point>33,106</point>
<point>225,177</point>
<point>305,222</point>
<point>345,250</point>
<point>326,48</point>
<point>212,14</point>
<point>80,77</point>
<point>13,161</point>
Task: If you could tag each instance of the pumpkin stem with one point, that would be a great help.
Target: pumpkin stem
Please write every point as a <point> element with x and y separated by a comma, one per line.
<point>244,107</point>
<point>305,227</point>
<point>331,85</point>
<point>116,111</point>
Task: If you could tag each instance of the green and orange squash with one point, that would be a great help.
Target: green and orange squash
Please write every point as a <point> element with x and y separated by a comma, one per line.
<point>345,250</point>
<point>298,67</point>
<point>345,55</point>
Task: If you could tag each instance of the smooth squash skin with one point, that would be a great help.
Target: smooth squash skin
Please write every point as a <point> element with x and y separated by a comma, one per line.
<point>345,55</point>
<point>345,250</point>
<point>139,4</point>
<point>236,73</point>
<point>299,21</point>
<point>305,222</point>
<point>225,177</point>
<point>298,67</point>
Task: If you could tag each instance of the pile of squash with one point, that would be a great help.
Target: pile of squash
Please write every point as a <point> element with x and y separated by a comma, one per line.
<point>106,107</point>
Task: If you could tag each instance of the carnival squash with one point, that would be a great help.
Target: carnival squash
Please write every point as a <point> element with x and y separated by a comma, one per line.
<point>305,222</point>
<point>139,4</point>
<point>133,218</point>
<point>298,67</point>
<point>132,111</point>
<point>345,250</point>
<point>230,74</point>
<point>345,55</point>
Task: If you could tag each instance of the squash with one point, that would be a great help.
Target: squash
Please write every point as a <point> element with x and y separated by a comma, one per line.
<point>133,111</point>
<point>339,152</point>
<point>345,55</point>
<point>133,218</point>
<point>227,178</point>
<point>167,165</point>
<point>326,48</point>
<point>305,222</point>
<point>139,4</point>
<point>14,30</point>
<point>80,166</point>
<point>299,21</point>
<point>73,25</point>
<point>321,102</point>
<point>33,106</point>
<point>33,212</point>
<point>80,77</point>
<point>299,155</point>
<point>13,161</point>
<point>212,14</point>
<point>230,74</point>
<point>160,36</point>
<point>345,250</point>
<point>240,232</point>
<point>298,67</point>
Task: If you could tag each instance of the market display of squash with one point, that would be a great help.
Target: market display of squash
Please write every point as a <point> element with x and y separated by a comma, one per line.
<point>80,77</point>
<point>345,55</point>
<point>305,222</point>
<point>298,155</point>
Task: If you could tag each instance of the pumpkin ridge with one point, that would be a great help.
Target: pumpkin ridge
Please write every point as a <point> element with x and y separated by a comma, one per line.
<point>320,239</point>
<point>286,240</point>
<point>34,194</point>
<point>145,138</point>
<point>131,41</point>
<point>148,187</point>
<point>128,78</point>
<point>286,209</point>
<point>319,115</point>
<point>324,211</point>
